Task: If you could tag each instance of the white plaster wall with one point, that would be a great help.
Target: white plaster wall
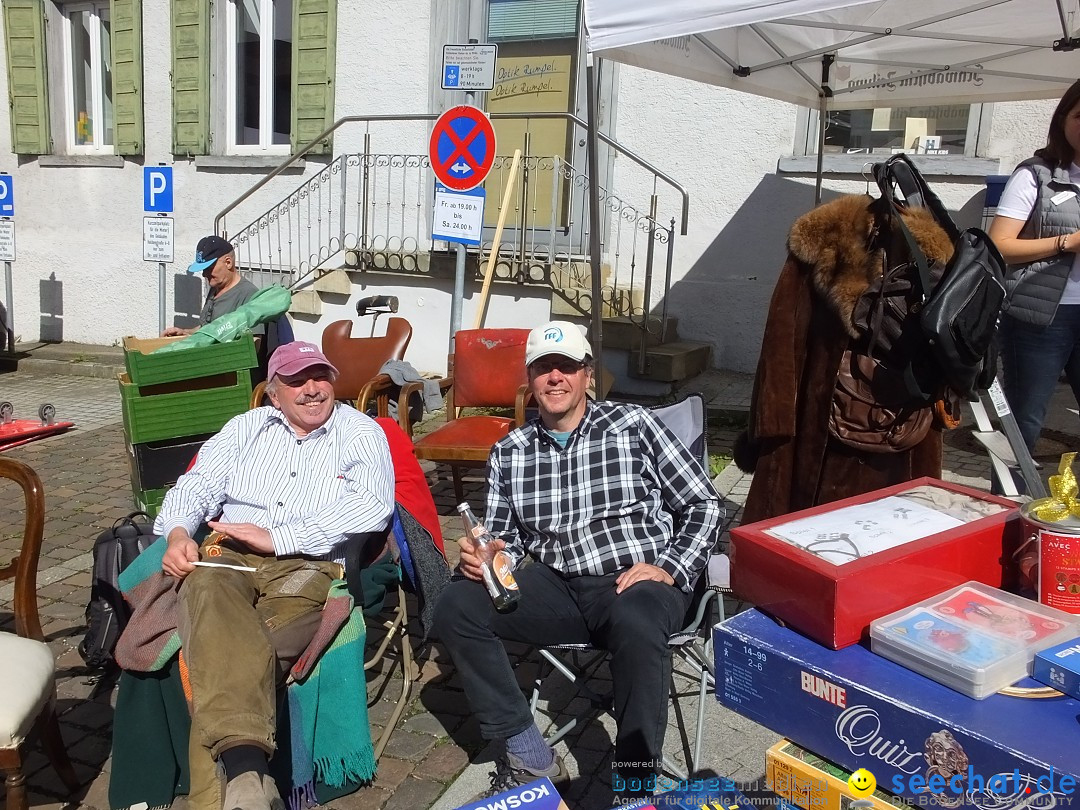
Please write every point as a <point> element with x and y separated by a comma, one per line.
<point>724,147</point>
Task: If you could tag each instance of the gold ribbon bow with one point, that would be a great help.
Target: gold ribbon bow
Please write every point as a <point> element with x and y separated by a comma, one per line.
<point>1063,491</point>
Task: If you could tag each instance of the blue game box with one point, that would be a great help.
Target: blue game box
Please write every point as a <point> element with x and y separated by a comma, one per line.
<point>1059,667</point>
<point>921,740</point>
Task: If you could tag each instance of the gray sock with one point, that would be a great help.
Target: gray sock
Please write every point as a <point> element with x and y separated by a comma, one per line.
<point>529,747</point>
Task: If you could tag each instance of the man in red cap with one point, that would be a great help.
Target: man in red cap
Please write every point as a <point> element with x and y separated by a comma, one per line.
<point>285,489</point>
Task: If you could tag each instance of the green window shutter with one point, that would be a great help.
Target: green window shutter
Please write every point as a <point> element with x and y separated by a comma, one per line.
<point>24,29</point>
<point>126,19</point>
<point>510,20</point>
<point>314,33</point>
<point>191,76</point>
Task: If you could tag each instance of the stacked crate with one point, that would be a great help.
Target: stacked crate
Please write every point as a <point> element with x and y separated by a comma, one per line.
<point>174,402</point>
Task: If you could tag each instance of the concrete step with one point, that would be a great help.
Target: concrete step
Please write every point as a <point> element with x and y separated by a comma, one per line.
<point>674,361</point>
<point>75,359</point>
<point>624,333</point>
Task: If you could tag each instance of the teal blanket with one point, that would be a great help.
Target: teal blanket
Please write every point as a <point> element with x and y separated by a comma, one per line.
<point>324,736</point>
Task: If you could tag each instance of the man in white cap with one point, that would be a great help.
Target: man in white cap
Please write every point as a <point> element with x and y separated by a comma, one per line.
<point>285,488</point>
<point>618,519</point>
<point>227,289</point>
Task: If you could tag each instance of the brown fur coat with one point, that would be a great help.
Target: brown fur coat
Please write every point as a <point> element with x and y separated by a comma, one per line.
<point>835,252</point>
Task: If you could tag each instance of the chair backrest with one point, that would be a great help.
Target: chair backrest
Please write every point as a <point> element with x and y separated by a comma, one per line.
<point>686,419</point>
<point>358,359</point>
<point>489,367</point>
<point>24,567</point>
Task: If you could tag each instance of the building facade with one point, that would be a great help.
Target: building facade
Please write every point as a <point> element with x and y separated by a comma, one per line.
<point>222,92</point>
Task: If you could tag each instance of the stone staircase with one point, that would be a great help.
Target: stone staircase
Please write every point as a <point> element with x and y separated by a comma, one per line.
<point>657,355</point>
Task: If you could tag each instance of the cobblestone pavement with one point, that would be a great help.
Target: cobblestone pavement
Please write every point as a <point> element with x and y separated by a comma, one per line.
<point>85,476</point>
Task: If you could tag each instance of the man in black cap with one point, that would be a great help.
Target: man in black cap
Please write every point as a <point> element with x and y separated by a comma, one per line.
<point>215,259</point>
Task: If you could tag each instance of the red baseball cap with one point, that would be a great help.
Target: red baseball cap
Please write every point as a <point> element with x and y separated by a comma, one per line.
<point>292,358</point>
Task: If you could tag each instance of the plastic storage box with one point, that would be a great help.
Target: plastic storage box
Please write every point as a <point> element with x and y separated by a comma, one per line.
<point>973,638</point>
<point>146,368</point>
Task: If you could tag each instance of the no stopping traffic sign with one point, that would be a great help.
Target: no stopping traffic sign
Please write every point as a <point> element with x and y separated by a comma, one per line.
<point>462,147</point>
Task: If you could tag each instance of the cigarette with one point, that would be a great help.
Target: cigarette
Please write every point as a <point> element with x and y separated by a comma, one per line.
<point>224,565</point>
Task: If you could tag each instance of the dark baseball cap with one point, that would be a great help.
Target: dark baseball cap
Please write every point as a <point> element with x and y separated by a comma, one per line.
<point>209,250</point>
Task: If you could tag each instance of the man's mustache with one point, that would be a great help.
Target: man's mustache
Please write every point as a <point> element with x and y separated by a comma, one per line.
<point>305,399</point>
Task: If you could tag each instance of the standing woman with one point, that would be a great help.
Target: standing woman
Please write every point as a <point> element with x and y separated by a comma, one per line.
<point>1037,230</point>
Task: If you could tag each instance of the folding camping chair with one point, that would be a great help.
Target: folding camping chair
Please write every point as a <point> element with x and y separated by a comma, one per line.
<point>686,419</point>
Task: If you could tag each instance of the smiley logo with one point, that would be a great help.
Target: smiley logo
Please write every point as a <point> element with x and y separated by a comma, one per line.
<point>862,783</point>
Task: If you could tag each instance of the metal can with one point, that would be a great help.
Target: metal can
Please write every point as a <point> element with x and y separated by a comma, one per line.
<point>1058,579</point>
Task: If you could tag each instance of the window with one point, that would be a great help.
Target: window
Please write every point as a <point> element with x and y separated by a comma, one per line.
<point>937,130</point>
<point>259,75</point>
<point>80,90</point>
<point>88,78</point>
<point>252,77</point>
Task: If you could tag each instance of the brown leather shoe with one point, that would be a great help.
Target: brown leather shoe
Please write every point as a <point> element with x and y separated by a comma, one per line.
<point>246,792</point>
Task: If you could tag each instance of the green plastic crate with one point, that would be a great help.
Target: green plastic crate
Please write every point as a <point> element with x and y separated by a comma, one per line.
<point>149,500</point>
<point>156,417</point>
<point>144,368</point>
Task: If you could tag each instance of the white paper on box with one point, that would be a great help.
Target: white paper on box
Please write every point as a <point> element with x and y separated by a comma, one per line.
<point>853,532</point>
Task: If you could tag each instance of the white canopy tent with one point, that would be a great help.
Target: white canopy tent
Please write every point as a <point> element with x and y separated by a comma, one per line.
<point>887,52</point>
<point>842,54</point>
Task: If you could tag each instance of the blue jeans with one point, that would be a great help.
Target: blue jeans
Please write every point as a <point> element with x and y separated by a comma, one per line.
<point>1032,359</point>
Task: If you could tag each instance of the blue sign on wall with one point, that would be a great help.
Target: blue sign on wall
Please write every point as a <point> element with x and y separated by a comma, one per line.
<point>157,189</point>
<point>7,195</point>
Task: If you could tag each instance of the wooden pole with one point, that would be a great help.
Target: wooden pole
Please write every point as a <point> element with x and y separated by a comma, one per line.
<point>493,256</point>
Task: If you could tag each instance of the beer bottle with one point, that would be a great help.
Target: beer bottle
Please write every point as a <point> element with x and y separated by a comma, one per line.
<point>496,567</point>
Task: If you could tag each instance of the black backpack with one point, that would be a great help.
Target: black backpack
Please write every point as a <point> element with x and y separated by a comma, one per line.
<point>958,315</point>
<point>107,612</point>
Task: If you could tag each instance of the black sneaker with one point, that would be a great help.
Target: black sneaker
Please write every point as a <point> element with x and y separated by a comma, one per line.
<point>510,772</point>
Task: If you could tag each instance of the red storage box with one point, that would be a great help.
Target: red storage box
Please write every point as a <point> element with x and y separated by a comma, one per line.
<point>834,603</point>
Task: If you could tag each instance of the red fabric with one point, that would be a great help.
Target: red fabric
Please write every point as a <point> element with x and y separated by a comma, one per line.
<point>411,488</point>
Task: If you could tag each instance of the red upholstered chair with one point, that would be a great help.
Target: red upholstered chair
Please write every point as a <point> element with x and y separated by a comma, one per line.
<point>489,372</point>
<point>360,358</point>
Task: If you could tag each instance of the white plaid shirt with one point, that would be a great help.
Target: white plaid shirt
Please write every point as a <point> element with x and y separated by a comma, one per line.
<point>624,490</point>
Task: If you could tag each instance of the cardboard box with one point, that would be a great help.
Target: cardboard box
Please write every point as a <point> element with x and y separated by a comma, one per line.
<point>538,795</point>
<point>144,368</point>
<point>859,710</point>
<point>835,603</point>
<point>808,781</point>
<point>1059,667</point>
<point>149,500</point>
<point>159,416</point>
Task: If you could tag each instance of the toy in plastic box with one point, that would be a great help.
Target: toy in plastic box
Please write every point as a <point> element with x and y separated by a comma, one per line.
<point>974,638</point>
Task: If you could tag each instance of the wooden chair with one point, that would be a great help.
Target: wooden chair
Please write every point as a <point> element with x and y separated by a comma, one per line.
<point>489,372</point>
<point>27,665</point>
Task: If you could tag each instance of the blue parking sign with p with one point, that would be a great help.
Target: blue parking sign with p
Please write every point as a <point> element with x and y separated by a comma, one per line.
<point>7,195</point>
<point>157,189</point>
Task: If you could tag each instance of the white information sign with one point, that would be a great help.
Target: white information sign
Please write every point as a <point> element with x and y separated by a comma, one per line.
<point>468,67</point>
<point>7,240</point>
<point>459,215</point>
<point>157,240</point>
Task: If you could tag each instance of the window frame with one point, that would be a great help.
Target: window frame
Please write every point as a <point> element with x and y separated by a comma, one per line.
<point>99,10</point>
<point>266,146</point>
<point>975,161</point>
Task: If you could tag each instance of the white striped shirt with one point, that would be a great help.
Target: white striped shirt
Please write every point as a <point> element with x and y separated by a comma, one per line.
<point>312,492</point>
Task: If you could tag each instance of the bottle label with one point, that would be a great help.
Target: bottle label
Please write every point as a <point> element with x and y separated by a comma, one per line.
<point>504,570</point>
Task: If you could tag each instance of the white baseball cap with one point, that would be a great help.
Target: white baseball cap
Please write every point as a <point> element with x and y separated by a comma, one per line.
<point>556,337</point>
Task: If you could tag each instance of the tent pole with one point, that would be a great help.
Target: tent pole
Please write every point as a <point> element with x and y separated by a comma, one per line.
<point>596,330</point>
<point>823,113</point>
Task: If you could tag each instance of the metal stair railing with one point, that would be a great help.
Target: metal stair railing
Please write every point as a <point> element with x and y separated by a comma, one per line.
<point>370,209</point>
